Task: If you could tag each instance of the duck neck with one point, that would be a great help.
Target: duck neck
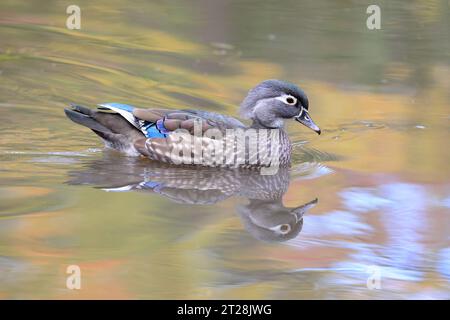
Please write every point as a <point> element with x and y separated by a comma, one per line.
<point>283,142</point>
<point>257,124</point>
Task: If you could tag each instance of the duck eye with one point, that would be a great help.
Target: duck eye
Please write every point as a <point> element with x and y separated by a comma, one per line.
<point>288,99</point>
<point>291,100</point>
<point>285,228</point>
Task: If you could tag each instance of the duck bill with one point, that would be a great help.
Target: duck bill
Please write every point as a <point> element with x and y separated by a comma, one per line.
<point>309,205</point>
<point>306,120</point>
<point>301,210</point>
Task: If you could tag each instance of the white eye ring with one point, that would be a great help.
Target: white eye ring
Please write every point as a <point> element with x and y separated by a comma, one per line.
<point>281,229</point>
<point>288,99</point>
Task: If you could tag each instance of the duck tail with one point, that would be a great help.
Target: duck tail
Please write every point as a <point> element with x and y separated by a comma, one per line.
<point>84,116</point>
<point>114,130</point>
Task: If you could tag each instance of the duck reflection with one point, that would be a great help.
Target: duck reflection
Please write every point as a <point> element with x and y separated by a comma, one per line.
<point>264,216</point>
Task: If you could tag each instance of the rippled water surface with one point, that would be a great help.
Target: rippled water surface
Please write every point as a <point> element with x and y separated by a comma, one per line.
<point>369,197</point>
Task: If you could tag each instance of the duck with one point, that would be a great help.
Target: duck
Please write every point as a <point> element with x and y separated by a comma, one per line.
<point>204,138</point>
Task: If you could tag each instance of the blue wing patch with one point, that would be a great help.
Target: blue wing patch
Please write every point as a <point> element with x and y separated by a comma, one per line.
<point>117,105</point>
<point>149,129</point>
<point>155,186</point>
<point>150,184</point>
<point>154,130</point>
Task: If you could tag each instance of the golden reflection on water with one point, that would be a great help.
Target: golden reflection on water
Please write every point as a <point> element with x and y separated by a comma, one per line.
<point>380,169</point>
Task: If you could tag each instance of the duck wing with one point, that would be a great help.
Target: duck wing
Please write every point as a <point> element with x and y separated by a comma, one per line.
<point>157,125</point>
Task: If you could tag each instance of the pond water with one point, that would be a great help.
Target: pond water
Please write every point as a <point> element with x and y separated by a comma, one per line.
<point>380,170</point>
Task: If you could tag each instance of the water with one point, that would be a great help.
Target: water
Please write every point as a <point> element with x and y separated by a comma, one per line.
<point>379,171</point>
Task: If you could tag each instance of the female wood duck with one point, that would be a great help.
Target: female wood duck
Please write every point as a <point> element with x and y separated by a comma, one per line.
<point>155,133</point>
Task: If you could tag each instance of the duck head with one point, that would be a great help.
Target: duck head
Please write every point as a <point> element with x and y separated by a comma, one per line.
<point>270,220</point>
<point>271,102</point>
